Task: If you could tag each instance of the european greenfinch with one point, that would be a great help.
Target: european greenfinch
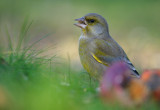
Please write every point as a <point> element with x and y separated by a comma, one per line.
<point>97,49</point>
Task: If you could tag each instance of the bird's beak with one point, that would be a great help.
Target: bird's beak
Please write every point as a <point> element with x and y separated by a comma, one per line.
<point>81,23</point>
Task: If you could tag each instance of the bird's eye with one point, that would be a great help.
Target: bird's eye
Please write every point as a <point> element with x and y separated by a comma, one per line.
<point>91,21</point>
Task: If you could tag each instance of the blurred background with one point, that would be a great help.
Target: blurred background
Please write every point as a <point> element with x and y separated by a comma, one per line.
<point>133,24</point>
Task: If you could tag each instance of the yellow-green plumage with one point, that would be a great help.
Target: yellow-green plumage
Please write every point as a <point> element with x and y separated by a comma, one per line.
<point>97,49</point>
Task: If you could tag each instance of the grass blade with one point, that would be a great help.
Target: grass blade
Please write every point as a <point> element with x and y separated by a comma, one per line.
<point>27,49</point>
<point>10,45</point>
<point>23,32</point>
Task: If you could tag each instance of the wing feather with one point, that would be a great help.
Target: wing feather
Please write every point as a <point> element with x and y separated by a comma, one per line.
<point>106,53</point>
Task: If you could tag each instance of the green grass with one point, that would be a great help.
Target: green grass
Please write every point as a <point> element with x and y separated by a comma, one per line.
<point>31,81</point>
<point>34,82</point>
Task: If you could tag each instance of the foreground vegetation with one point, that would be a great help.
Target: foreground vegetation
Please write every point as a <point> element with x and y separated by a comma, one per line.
<point>30,81</point>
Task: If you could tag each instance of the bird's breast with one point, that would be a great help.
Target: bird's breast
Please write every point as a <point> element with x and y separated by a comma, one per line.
<point>84,45</point>
<point>86,48</point>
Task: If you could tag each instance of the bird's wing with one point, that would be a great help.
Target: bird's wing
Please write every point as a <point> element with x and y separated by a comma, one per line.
<point>107,52</point>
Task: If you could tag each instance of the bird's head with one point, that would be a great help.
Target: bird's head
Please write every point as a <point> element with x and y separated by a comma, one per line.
<point>92,24</point>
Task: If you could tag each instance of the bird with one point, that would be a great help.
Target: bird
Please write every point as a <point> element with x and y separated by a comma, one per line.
<point>97,49</point>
